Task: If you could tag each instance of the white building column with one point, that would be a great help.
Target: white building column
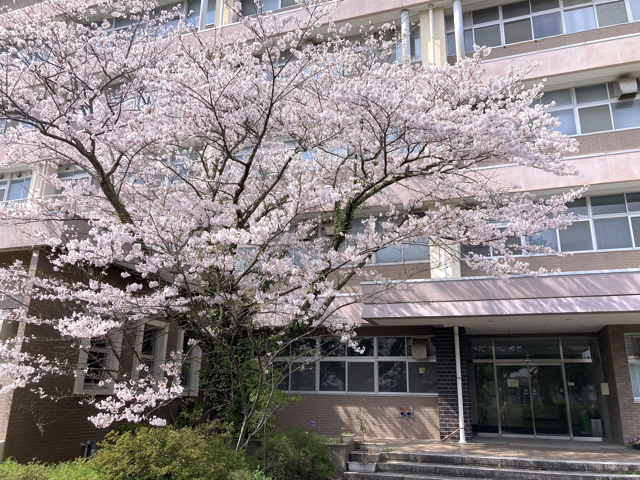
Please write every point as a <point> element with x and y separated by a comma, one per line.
<point>458,29</point>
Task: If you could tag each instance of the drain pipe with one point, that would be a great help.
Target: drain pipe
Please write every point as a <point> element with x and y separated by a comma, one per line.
<point>433,37</point>
<point>456,337</point>
<point>405,31</point>
<point>457,27</point>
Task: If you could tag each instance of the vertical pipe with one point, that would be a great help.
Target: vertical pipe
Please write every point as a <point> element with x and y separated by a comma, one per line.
<point>456,339</point>
<point>202,24</point>
<point>432,45</point>
<point>222,5</point>
<point>458,29</point>
<point>566,390</point>
<point>405,31</point>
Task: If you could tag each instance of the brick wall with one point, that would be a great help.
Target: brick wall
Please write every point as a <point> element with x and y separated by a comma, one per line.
<point>607,142</point>
<point>577,262</point>
<point>381,415</point>
<point>624,414</point>
<point>447,382</point>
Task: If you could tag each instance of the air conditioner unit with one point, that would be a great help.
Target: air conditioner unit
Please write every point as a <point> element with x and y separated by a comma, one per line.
<point>420,348</point>
<point>625,88</point>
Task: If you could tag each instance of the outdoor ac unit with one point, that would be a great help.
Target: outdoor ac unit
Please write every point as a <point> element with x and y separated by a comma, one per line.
<point>625,88</point>
<point>420,348</point>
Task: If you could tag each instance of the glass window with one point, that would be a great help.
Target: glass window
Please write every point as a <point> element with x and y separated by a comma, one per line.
<point>468,42</point>
<point>633,202</point>
<point>389,255</point>
<point>605,204</point>
<point>611,14</point>
<point>635,379</point>
<point>451,43</point>
<point>633,345</point>
<point>515,10</point>
<point>612,233</point>
<point>304,348</point>
<point>485,15</point>
<point>488,36</point>
<point>635,9</point>
<point>391,347</point>
<point>481,349</point>
<point>332,377</point>
<point>517,31</point>
<point>392,376</point>
<point>19,188</point>
<point>578,207</point>
<point>595,119</point>
<point>423,377</point>
<point>547,25</point>
<point>363,343</point>
<point>626,114</point>
<point>567,121</point>
<point>561,97</point>
<point>577,347</point>
<point>514,348</point>
<point>635,226</point>
<point>331,348</point>
<point>580,19</point>
<point>571,3</point>
<point>303,377</point>
<point>361,376</point>
<point>592,93</point>
<point>97,358</point>
<point>576,238</point>
<point>542,5</point>
<point>544,239</point>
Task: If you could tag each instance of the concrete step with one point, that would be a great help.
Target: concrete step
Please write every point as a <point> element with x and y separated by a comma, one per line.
<point>508,462</point>
<point>496,473</point>
<point>413,476</point>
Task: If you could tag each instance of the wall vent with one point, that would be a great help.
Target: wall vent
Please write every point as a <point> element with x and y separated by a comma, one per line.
<point>625,88</point>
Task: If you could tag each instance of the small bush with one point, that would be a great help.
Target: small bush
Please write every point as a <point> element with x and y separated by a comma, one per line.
<point>74,470</point>
<point>293,454</point>
<point>166,453</point>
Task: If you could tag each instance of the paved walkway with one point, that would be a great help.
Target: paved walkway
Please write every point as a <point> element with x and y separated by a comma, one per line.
<point>543,449</point>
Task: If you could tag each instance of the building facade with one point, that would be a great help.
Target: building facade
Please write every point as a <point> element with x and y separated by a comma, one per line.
<point>555,356</point>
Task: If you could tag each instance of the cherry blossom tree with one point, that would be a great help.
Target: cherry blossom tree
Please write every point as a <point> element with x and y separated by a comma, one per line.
<point>224,173</point>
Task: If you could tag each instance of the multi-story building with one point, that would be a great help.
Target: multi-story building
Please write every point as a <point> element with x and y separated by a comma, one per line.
<point>555,356</point>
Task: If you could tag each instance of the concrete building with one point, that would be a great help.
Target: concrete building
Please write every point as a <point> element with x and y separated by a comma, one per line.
<point>551,357</point>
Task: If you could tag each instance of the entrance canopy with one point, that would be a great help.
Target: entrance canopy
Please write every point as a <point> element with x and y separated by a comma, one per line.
<point>553,303</point>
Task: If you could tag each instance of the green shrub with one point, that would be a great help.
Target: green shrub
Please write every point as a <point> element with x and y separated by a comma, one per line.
<point>293,454</point>
<point>166,453</point>
<point>74,470</point>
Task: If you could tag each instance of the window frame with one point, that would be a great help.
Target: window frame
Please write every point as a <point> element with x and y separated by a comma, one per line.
<point>194,359</point>
<point>112,364</point>
<point>633,360</point>
<point>161,349</point>
<point>375,359</point>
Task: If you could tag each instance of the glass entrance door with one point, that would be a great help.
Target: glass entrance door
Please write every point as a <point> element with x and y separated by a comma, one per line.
<point>532,400</point>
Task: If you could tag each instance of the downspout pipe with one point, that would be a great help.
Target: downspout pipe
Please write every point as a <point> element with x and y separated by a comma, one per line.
<point>203,14</point>
<point>458,29</point>
<point>456,339</point>
<point>433,37</point>
<point>405,31</point>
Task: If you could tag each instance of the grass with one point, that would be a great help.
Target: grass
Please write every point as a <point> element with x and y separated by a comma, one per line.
<point>73,470</point>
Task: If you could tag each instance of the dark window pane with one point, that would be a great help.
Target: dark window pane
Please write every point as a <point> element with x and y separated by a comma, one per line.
<point>542,5</point>
<point>332,377</point>
<point>423,377</point>
<point>580,19</point>
<point>389,255</point>
<point>413,252</point>
<point>571,3</point>
<point>303,377</point>
<point>635,9</point>
<point>576,238</point>
<point>578,206</point>
<point>361,376</point>
<point>561,97</point>
<point>468,42</point>
<point>280,375</point>
<point>485,15</point>
<point>544,239</point>
<point>633,202</point>
<point>488,36</point>
<point>287,3</point>
<point>451,44</point>
<point>477,249</point>
<point>595,119</point>
<point>576,347</point>
<point>448,23</point>
<point>392,376</point>
<point>612,233</point>
<point>515,9</point>
<point>391,347</point>
<point>518,31</point>
<point>547,25</point>
<point>626,114</point>
<point>363,343</point>
<point>611,14</point>
<point>481,349</point>
<point>304,348</point>
<point>507,348</point>
<point>467,19</point>
<point>149,339</point>
<point>592,93</point>
<point>635,225</point>
<point>604,204</point>
<point>567,121</point>
<point>331,347</point>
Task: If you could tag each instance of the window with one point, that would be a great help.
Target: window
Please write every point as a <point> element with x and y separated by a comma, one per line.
<point>71,175</point>
<point>633,354</point>
<point>535,19</point>
<point>610,222</point>
<point>97,362</point>
<point>592,109</point>
<point>15,186</point>
<point>192,358</point>
<point>250,8</point>
<point>380,365</point>
<point>151,343</point>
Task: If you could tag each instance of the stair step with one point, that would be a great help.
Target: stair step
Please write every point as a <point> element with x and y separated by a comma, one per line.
<point>445,470</point>
<point>511,462</point>
<point>398,476</point>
